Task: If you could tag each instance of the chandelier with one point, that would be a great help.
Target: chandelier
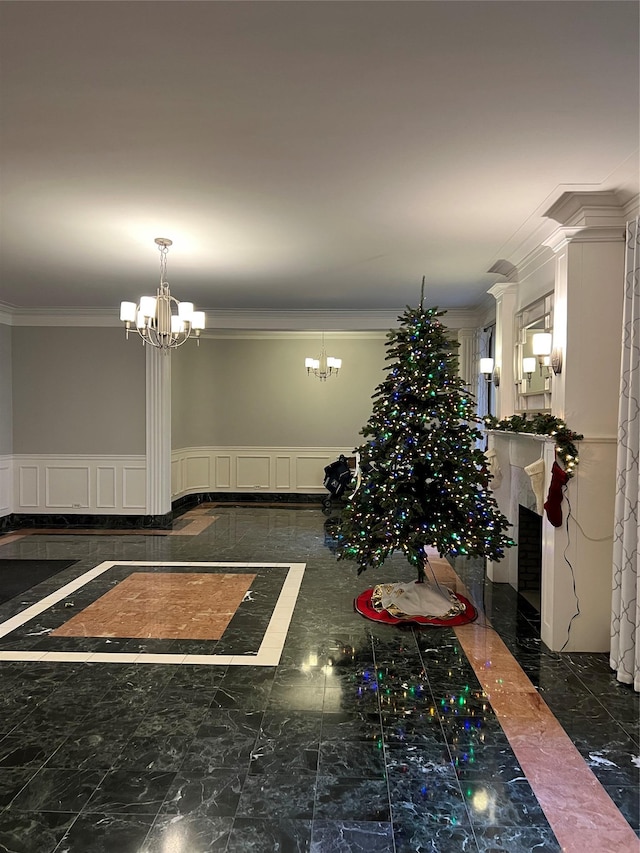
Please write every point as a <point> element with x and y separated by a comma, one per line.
<point>324,366</point>
<point>161,320</point>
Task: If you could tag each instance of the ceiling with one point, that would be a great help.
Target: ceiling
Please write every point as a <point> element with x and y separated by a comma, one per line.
<point>302,156</point>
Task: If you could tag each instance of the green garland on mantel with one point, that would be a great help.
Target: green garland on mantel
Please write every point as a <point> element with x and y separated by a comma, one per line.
<point>542,424</point>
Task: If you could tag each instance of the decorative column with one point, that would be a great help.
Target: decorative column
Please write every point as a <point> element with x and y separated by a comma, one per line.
<point>505,294</point>
<point>588,296</point>
<point>468,357</point>
<point>158,433</point>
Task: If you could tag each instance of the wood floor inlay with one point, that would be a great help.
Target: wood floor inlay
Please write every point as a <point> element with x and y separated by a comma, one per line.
<point>167,605</point>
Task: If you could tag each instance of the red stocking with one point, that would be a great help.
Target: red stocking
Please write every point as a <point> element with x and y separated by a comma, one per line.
<point>559,478</point>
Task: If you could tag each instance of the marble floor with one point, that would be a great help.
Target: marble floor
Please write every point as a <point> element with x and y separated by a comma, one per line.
<point>286,721</point>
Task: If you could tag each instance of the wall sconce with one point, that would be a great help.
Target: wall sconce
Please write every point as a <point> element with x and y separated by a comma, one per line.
<point>541,345</point>
<point>490,372</point>
<point>486,368</point>
<point>541,348</point>
<point>528,366</point>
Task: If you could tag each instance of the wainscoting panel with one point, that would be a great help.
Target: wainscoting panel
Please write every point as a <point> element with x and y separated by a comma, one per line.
<point>176,478</point>
<point>197,473</point>
<point>106,487</point>
<point>79,485</point>
<point>223,472</point>
<point>134,488</point>
<point>28,481</point>
<point>250,469</point>
<point>310,469</point>
<point>283,472</point>
<point>67,486</point>
<point>6,476</point>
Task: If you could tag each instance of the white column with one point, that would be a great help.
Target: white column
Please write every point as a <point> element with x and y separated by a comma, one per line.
<point>158,431</point>
<point>468,357</point>
<point>505,295</point>
<point>588,295</point>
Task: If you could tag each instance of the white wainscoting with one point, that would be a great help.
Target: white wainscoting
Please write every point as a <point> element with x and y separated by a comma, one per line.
<point>251,469</point>
<point>6,485</point>
<point>73,485</point>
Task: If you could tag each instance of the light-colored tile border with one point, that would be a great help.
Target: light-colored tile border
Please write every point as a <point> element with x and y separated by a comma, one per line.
<point>267,655</point>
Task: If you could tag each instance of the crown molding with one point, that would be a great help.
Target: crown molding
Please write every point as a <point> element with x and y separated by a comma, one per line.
<point>587,209</point>
<point>501,289</point>
<point>564,235</point>
<point>220,320</point>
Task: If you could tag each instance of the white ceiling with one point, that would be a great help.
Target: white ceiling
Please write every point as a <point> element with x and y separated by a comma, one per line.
<point>301,155</point>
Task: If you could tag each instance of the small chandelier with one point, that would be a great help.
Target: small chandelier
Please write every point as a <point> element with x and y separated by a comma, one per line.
<point>324,366</point>
<point>161,320</point>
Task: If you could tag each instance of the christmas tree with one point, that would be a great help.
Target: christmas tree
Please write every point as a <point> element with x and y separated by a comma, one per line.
<point>423,479</point>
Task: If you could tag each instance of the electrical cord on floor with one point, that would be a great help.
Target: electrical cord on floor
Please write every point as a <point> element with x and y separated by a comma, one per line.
<point>573,576</point>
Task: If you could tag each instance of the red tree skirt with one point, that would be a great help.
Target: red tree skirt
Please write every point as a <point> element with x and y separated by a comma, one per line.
<point>362,605</point>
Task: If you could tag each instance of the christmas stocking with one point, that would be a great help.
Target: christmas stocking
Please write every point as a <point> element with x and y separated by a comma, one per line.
<point>494,467</point>
<point>536,475</point>
<point>559,478</point>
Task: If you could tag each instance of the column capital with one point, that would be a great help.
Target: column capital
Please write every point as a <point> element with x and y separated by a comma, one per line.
<point>503,288</point>
<point>586,217</point>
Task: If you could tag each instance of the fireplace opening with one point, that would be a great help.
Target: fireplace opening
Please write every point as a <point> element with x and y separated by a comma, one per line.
<point>529,555</point>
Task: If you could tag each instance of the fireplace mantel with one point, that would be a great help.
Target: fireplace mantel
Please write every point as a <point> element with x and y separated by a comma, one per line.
<point>581,548</point>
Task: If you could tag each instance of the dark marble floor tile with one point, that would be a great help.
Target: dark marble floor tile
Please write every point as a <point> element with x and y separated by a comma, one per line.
<point>265,836</point>
<point>352,759</point>
<point>247,698</point>
<point>16,751</point>
<point>257,677</point>
<point>106,833</point>
<point>340,798</point>
<point>517,839</point>
<point>177,710</point>
<point>434,791</point>
<point>280,794</point>
<point>426,757</point>
<point>342,725</point>
<point>511,803</point>
<point>421,730</point>
<point>88,750</point>
<point>331,836</point>
<point>152,752</point>
<point>270,756</point>
<point>420,832</point>
<point>131,792</point>
<point>627,800</point>
<point>296,725</point>
<point>614,766</point>
<point>221,722</point>
<point>193,833</point>
<point>496,762</point>
<point>196,677</point>
<point>483,729</point>
<point>213,794</point>
<point>33,832</point>
<point>231,749</point>
<point>285,698</point>
<point>57,790</point>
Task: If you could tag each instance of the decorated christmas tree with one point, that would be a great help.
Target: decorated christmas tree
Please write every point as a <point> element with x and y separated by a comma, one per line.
<point>423,481</point>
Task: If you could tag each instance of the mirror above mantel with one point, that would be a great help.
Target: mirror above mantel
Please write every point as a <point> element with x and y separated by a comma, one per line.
<point>533,371</point>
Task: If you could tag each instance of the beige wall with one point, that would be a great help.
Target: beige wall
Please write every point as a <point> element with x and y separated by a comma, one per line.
<point>77,391</point>
<point>6,393</point>
<point>256,392</point>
